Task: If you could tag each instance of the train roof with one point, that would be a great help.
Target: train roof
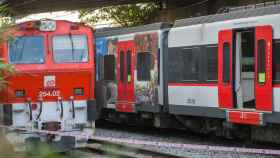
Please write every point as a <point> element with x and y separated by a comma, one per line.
<point>253,12</point>
<point>105,32</point>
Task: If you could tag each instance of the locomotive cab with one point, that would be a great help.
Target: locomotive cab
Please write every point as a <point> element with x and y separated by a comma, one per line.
<point>51,96</point>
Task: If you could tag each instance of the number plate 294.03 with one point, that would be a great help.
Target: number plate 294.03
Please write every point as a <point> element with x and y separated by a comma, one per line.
<point>49,93</point>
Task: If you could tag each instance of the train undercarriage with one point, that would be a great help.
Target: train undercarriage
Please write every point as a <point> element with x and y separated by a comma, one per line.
<point>199,125</point>
<point>61,126</point>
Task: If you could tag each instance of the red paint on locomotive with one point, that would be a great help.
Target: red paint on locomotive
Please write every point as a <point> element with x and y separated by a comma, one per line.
<point>68,76</point>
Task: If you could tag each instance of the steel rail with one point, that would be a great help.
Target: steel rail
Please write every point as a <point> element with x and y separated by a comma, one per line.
<point>123,150</point>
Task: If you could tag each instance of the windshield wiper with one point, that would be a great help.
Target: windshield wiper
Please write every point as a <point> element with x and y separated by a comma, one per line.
<point>72,45</point>
<point>18,53</point>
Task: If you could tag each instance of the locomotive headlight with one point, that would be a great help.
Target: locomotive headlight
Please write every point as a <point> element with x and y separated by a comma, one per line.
<point>47,25</point>
<point>20,93</point>
<point>79,91</point>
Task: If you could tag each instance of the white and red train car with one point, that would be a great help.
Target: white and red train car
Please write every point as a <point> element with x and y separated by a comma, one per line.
<point>53,87</point>
<point>226,66</point>
<point>217,73</point>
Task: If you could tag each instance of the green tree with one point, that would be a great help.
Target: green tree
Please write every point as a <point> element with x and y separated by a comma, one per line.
<point>123,15</point>
<point>5,70</point>
<point>5,22</point>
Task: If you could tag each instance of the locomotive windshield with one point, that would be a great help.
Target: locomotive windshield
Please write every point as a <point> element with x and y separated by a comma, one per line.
<point>26,50</point>
<point>70,49</point>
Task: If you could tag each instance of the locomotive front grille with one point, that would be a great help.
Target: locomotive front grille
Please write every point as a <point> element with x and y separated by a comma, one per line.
<point>51,126</point>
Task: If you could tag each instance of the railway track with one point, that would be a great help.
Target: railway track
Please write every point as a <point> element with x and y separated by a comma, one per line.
<point>184,143</point>
<point>107,148</point>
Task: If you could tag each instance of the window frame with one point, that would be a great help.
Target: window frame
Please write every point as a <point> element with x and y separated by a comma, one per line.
<point>114,67</point>
<point>149,78</point>
<point>44,51</point>
<point>122,66</point>
<point>173,67</point>
<point>128,58</point>
<point>261,68</point>
<point>226,73</point>
<point>274,57</point>
<point>197,58</point>
<point>53,52</point>
<point>207,62</point>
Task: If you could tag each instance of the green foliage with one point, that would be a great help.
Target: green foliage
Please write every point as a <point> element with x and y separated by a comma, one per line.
<point>231,3</point>
<point>5,70</point>
<point>123,15</point>
<point>5,22</point>
<point>42,150</point>
<point>4,9</point>
<point>39,151</point>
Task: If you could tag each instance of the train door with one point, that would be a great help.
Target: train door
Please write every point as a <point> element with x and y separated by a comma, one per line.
<point>225,83</point>
<point>263,73</point>
<point>245,73</point>
<point>125,71</point>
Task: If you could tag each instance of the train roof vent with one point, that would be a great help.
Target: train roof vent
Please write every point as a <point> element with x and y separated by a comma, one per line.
<point>120,30</point>
<point>250,11</point>
<point>253,6</point>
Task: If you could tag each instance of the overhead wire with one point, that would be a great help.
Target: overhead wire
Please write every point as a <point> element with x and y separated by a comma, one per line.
<point>24,3</point>
<point>196,4</point>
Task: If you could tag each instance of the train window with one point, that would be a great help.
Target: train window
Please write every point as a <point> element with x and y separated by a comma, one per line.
<point>122,66</point>
<point>144,65</point>
<point>109,67</point>
<point>226,62</point>
<point>174,65</point>
<point>158,64</point>
<point>70,49</point>
<point>27,50</point>
<point>190,64</point>
<point>1,51</point>
<point>276,61</point>
<point>212,63</point>
<point>247,51</point>
<point>99,67</point>
<point>128,65</point>
<point>261,61</point>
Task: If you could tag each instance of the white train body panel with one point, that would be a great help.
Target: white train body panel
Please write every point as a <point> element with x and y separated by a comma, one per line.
<point>202,96</point>
<point>206,34</point>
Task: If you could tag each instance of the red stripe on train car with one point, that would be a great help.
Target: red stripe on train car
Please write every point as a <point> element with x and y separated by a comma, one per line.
<point>246,118</point>
<point>125,107</point>
<point>276,86</point>
<point>192,84</point>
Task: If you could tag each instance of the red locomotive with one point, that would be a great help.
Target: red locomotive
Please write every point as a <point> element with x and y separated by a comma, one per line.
<point>53,89</point>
